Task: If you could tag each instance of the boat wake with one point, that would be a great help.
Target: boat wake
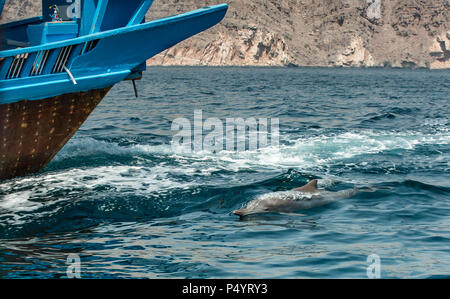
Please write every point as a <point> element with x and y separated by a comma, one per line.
<point>101,179</point>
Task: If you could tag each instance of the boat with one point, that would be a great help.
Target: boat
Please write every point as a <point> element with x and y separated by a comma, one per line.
<point>56,68</point>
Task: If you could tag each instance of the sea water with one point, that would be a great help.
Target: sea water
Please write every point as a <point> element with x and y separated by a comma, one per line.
<point>121,202</point>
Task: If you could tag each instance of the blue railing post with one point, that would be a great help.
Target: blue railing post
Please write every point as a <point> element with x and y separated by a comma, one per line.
<point>140,13</point>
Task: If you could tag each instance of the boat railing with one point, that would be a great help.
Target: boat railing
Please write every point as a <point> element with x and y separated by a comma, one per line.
<point>43,62</point>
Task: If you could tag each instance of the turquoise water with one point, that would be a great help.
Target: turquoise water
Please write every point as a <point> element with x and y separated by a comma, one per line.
<point>129,206</point>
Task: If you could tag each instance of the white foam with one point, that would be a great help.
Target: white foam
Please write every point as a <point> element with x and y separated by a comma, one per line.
<point>122,179</point>
<point>286,195</point>
<point>18,201</point>
<point>305,154</point>
<point>301,152</point>
<point>312,152</point>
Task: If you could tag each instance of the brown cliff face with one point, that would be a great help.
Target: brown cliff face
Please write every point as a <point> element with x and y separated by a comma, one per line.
<point>250,46</point>
<point>20,9</point>
<point>354,33</point>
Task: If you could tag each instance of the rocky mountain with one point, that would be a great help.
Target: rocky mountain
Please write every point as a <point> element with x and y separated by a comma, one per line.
<point>347,33</point>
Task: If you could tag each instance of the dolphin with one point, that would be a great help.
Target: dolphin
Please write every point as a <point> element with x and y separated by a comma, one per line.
<point>311,187</point>
<point>303,198</point>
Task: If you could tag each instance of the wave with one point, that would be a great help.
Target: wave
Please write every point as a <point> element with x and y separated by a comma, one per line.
<point>158,167</point>
<point>155,168</point>
<point>56,203</point>
<point>293,151</point>
<point>158,174</point>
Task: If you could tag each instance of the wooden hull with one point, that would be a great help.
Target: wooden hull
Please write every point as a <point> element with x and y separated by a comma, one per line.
<point>33,132</point>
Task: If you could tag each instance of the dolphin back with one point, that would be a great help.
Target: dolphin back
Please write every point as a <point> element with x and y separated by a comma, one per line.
<point>292,201</point>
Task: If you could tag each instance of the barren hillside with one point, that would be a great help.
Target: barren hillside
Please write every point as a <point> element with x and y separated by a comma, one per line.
<point>357,33</point>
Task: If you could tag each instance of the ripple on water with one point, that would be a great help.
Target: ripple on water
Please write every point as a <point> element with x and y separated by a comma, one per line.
<point>120,197</point>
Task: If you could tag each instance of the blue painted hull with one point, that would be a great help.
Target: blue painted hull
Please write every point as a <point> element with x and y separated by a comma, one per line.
<point>47,91</point>
<point>117,53</point>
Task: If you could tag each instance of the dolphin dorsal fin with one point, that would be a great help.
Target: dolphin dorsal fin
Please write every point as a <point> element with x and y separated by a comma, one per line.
<point>311,187</point>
